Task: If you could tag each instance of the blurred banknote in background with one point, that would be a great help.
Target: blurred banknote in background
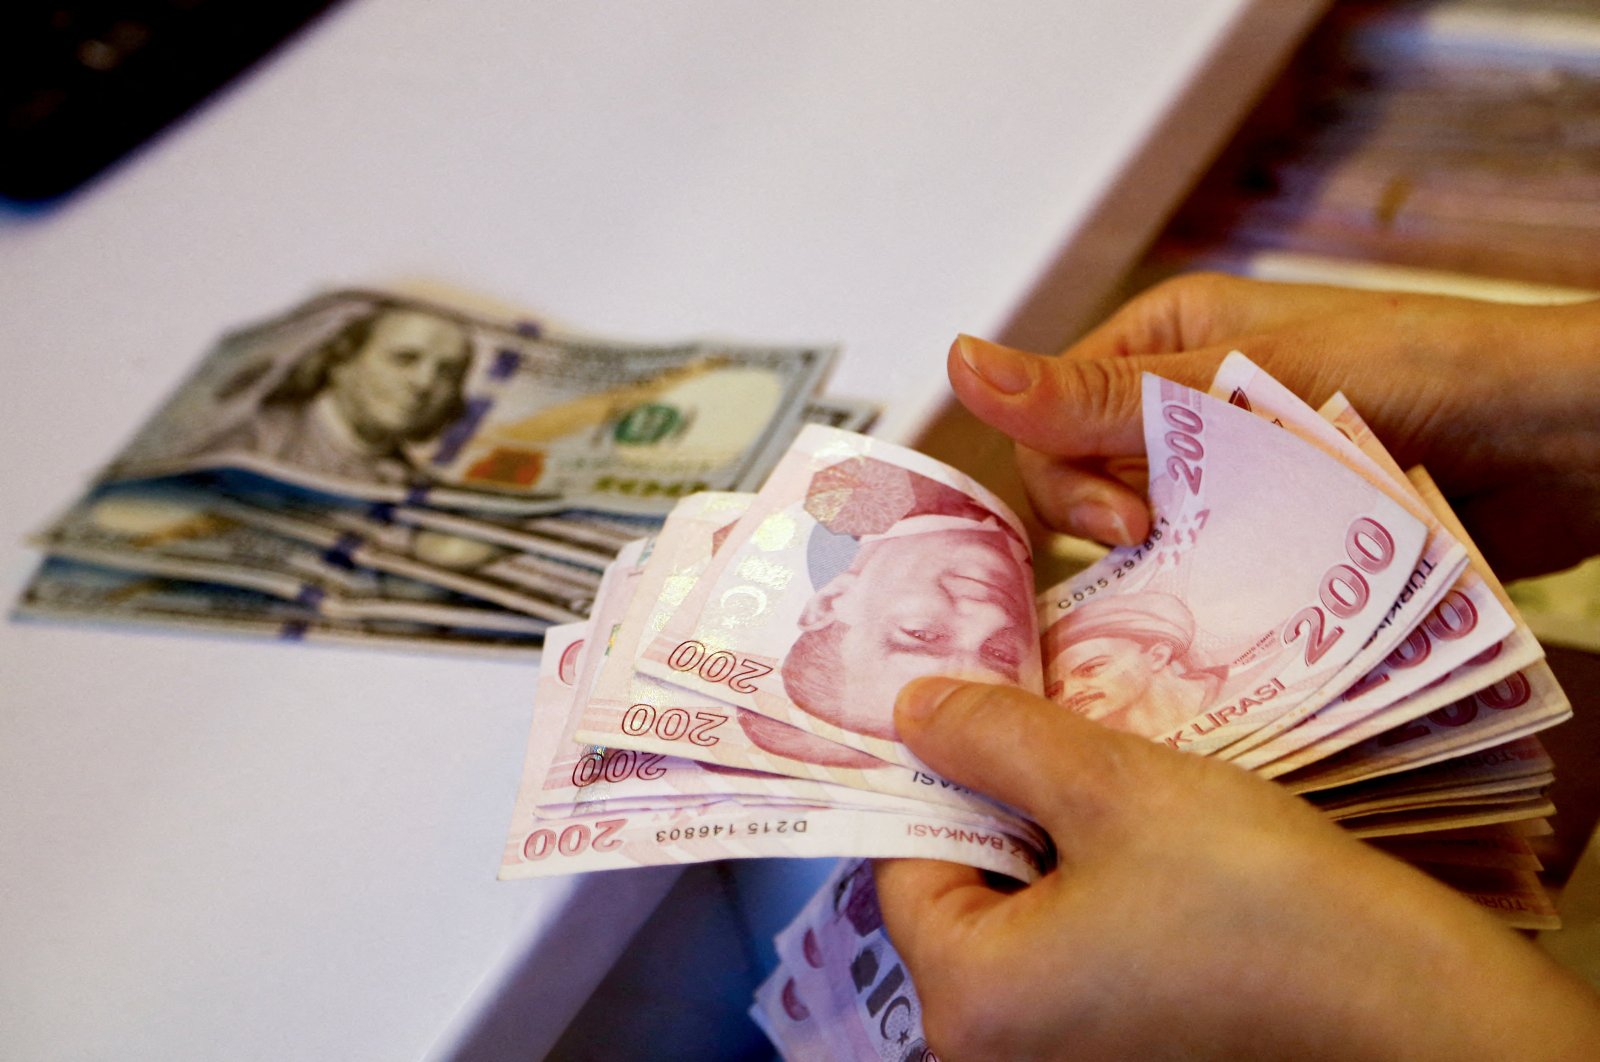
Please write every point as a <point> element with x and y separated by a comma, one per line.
<point>1564,608</point>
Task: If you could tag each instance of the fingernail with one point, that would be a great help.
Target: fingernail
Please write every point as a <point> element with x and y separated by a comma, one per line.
<point>922,697</point>
<point>1100,522</point>
<point>1006,371</point>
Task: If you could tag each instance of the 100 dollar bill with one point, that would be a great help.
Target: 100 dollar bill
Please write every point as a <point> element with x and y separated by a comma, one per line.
<point>391,399</point>
<point>69,590</point>
<point>182,531</point>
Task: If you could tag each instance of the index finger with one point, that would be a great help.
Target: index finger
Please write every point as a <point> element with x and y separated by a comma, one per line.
<point>1201,310</point>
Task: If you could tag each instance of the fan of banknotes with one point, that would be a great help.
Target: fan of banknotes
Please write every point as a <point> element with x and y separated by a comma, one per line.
<point>374,468</point>
<point>840,991</point>
<point>1302,607</point>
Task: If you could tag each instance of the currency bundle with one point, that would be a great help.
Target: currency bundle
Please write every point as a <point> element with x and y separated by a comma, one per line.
<point>1461,140</point>
<point>379,469</point>
<point>1302,607</point>
<point>840,990</point>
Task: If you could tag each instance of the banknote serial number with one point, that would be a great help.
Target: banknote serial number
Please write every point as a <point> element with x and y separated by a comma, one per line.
<point>1132,556</point>
<point>718,667</point>
<point>749,829</point>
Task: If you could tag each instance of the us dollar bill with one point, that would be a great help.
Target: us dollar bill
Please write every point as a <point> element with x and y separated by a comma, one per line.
<point>183,531</point>
<point>63,589</point>
<point>592,538</point>
<point>353,534</point>
<point>388,398</point>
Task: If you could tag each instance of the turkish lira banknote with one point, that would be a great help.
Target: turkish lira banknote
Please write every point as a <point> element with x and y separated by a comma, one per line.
<point>630,830</point>
<point>840,990</point>
<point>1298,597</point>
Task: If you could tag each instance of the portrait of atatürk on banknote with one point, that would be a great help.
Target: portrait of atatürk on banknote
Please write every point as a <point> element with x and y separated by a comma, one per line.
<point>911,577</point>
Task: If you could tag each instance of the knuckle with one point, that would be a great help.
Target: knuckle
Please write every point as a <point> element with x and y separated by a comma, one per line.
<point>1195,308</point>
<point>1107,385</point>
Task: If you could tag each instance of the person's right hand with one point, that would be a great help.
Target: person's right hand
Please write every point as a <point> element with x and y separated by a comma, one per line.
<point>1197,912</point>
<point>1501,403</point>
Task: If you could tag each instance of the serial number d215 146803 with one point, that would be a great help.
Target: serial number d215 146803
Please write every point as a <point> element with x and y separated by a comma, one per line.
<point>720,829</point>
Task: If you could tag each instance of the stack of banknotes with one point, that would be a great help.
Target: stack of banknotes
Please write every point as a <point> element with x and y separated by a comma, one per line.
<point>1453,135</point>
<point>375,468</point>
<point>1302,607</point>
<point>840,991</point>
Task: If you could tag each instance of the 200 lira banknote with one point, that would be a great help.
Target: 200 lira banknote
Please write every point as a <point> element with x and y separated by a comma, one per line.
<point>753,651</point>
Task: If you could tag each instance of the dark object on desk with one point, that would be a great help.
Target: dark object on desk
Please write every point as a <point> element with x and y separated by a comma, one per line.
<point>84,83</point>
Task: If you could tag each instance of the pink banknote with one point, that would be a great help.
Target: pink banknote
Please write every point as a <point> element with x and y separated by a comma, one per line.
<point>647,736</point>
<point>797,1024</point>
<point>1436,572</point>
<point>735,829</point>
<point>1270,565</point>
<point>543,841</point>
<point>1445,615</point>
<point>1436,638</point>
<point>840,959</point>
<point>860,566</point>
<point>1523,703</point>
<point>552,701</point>
<point>1515,765</point>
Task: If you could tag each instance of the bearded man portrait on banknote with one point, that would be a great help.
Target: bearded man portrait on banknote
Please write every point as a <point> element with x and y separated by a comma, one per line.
<point>349,406</point>
<point>1127,662</point>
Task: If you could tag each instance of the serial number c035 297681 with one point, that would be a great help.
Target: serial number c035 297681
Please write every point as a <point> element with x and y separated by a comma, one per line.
<point>722,829</point>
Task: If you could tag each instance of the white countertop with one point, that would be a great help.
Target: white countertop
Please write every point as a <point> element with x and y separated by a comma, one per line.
<point>225,849</point>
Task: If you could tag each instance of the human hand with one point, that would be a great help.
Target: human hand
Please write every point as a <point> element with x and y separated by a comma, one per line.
<point>1500,402</point>
<point>1197,912</point>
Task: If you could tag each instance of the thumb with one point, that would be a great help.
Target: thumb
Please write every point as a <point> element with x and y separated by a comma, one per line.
<point>1074,777</point>
<point>1066,406</point>
<point>1074,418</point>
